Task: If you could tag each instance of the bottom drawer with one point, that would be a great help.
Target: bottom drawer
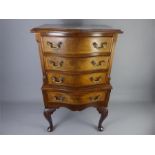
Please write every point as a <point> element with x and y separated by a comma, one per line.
<point>74,98</point>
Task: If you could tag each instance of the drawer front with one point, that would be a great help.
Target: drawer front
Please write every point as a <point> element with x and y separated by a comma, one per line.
<point>76,80</point>
<point>70,98</point>
<point>83,45</point>
<point>72,64</point>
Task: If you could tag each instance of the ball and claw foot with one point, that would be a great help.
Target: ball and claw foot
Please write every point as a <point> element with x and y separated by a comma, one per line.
<point>104,113</point>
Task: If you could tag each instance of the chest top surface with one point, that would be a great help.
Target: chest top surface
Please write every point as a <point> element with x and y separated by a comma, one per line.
<point>75,28</point>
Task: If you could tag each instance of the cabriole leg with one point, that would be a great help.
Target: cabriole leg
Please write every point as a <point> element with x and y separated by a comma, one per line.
<point>104,113</point>
<point>47,114</point>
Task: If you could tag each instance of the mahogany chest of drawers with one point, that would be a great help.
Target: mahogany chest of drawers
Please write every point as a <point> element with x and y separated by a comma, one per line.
<point>76,64</point>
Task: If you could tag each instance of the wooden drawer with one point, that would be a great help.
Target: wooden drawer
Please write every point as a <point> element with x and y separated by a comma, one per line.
<point>78,45</point>
<point>77,80</point>
<point>72,98</point>
<point>76,64</point>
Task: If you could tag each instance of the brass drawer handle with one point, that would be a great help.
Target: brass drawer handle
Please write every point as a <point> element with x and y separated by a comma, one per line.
<point>56,64</point>
<point>96,79</point>
<point>97,64</point>
<point>58,80</point>
<point>59,98</point>
<point>94,98</point>
<point>102,45</point>
<point>54,45</point>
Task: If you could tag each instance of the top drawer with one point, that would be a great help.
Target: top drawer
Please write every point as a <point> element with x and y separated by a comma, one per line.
<point>78,45</point>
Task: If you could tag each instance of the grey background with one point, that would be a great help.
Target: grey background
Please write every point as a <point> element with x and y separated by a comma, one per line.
<point>132,75</point>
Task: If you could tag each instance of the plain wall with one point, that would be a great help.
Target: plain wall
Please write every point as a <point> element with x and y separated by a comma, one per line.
<point>133,66</point>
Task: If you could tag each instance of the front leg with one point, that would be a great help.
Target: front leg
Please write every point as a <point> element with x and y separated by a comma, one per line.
<point>47,114</point>
<point>104,113</point>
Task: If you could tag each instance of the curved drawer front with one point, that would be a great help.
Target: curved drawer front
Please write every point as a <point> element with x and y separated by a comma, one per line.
<point>69,98</point>
<point>76,80</point>
<point>83,45</point>
<point>72,64</point>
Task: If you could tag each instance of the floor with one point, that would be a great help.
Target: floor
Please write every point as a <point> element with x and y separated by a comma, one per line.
<point>124,119</point>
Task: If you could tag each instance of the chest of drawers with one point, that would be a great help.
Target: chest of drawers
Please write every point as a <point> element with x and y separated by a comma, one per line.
<point>76,64</point>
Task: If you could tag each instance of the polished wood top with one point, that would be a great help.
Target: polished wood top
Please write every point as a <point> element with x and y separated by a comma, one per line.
<point>75,28</point>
